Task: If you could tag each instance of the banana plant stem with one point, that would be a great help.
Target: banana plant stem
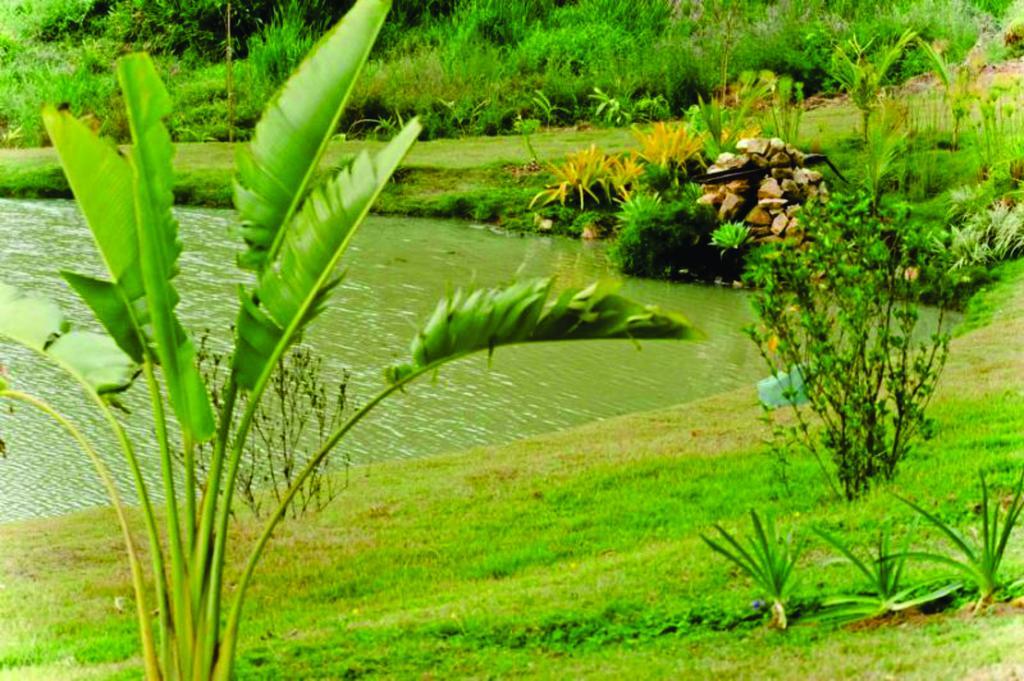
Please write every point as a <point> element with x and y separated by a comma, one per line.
<point>181,611</point>
<point>225,660</point>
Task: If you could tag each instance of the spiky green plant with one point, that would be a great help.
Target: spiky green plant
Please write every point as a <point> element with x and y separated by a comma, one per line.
<point>862,70</point>
<point>988,236</point>
<point>727,122</point>
<point>959,85</point>
<point>882,151</point>
<point>980,561</point>
<point>296,232</point>
<point>769,561</point>
<point>731,236</point>
<point>884,589</point>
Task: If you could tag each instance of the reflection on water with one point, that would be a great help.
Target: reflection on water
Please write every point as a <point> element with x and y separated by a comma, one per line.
<point>396,271</point>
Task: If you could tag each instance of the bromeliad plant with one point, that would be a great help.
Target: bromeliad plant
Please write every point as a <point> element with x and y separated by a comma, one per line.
<point>296,232</point>
<point>979,563</point>
<point>885,591</point>
<point>673,147</point>
<point>769,561</point>
<point>582,173</point>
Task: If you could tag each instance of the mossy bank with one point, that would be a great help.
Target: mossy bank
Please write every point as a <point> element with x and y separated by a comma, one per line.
<point>485,179</point>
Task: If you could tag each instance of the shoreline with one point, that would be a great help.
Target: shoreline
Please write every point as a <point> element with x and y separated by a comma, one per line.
<point>485,179</point>
<point>479,178</point>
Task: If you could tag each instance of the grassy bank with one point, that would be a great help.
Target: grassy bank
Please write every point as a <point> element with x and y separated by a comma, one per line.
<point>577,554</point>
<point>474,178</point>
<point>477,178</point>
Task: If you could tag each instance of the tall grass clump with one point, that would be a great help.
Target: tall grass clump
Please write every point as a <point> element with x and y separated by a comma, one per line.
<point>277,50</point>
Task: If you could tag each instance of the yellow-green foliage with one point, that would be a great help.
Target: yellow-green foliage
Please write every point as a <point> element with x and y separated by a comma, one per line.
<point>672,146</point>
<point>624,172</point>
<point>582,172</point>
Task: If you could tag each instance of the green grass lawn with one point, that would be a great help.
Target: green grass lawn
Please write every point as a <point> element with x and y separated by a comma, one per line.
<point>576,554</point>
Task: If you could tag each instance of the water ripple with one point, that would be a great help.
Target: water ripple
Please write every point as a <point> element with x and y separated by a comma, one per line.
<point>397,270</point>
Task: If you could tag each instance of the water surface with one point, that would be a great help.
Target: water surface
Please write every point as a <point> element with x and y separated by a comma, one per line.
<point>396,271</point>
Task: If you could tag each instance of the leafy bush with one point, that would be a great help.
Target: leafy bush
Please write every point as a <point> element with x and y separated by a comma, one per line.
<point>64,18</point>
<point>842,311</point>
<point>663,239</point>
<point>198,27</point>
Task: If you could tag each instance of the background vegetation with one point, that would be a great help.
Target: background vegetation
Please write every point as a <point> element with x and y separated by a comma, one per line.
<point>464,66</point>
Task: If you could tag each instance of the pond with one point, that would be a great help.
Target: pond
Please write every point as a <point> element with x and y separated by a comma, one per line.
<point>397,269</point>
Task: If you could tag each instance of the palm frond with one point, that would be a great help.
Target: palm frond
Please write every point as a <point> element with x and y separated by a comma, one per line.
<point>277,168</point>
<point>148,103</point>
<point>483,320</point>
<point>294,291</point>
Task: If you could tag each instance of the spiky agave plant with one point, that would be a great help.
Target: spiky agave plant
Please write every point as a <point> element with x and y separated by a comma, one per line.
<point>980,560</point>
<point>770,561</point>
<point>296,232</point>
<point>883,588</point>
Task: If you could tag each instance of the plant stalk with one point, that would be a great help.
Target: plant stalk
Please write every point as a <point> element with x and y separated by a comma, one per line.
<point>151,661</point>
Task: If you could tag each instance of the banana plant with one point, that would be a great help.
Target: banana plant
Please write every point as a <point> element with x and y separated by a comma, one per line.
<point>296,230</point>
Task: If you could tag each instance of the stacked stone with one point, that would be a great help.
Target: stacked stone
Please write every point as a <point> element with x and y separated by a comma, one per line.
<point>769,205</point>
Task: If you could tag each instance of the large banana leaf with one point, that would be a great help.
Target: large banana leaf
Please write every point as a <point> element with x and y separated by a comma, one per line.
<point>148,102</point>
<point>465,323</point>
<point>37,323</point>
<point>276,169</point>
<point>101,179</point>
<point>292,292</point>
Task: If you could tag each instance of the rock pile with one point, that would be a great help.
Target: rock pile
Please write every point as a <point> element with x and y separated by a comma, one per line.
<point>770,195</point>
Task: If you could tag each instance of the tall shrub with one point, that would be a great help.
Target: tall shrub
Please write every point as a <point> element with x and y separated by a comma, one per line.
<point>840,312</point>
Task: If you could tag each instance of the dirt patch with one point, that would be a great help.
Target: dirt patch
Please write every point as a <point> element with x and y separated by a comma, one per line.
<point>527,170</point>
